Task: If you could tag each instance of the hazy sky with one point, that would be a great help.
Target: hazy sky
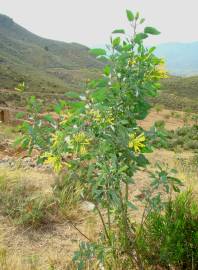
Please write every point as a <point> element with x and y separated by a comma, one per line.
<point>90,22</point>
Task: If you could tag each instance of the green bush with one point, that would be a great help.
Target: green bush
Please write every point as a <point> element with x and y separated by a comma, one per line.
<point>186,137</point>
<point>170,238</point>
<point>160,124</point>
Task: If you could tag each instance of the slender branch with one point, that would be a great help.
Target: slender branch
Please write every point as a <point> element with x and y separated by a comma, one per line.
<point>81,232</point>
<point>103,222</point>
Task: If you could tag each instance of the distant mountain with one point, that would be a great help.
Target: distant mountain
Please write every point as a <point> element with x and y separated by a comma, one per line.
<point>181,58</point>
<point>45,65</point>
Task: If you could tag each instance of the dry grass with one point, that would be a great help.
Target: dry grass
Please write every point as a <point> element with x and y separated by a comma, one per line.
<point>48,247</point>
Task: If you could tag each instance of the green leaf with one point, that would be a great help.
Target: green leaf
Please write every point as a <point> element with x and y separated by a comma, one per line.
<point>142,21</point>
<point>107,70</point>
<point>98,52</point>
<point>77,105</point>
<point>25,142</point>
<point>101,83</point>
<point>118,31</point>
<point>123,169</point>
<point>48,118</point>
<point>142,161</point>
<point>151,50</point>
<point>99,95</point>
<point>151,30</point>
<point>139,37</point>
<point>176,189</point>
<point>114,197</point>
<point>147,149</point>
<point>130,15</point>
<point>131,205</point>
<point>137,15</point>
<point>127,47</point>
<point>58,108</point>
<point>20,115</point>
<point>116,42</point>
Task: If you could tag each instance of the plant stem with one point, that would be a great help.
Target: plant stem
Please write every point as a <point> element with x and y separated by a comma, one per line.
<point>81,232</point>
<point>103,223</point>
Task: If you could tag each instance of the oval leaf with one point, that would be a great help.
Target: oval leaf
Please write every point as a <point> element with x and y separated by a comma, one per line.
<point>151,50</point>
<point>139,37</point>
<point>118,31</point>
<point>130,15</point>
<point>151,30</point>
<point>107,70</point>
<point>142,21</point>
<point>116,42</point>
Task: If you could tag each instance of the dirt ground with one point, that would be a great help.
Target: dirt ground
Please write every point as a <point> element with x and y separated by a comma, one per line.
<point>172,119</point>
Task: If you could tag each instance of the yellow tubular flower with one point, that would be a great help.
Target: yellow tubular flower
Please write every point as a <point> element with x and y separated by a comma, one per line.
<point>54,161</point>
<point>110,119</point>
<point>162,74</point>
<point>131,62</point>
<point>136,142</point>
<point>65,118</point>
<point>101,119</point>
<point>56,140</point>
<point>80,142</point>
<point>161,71</point>
<point>96,115</point>
<point>82,150</point>
<point>81,137</point>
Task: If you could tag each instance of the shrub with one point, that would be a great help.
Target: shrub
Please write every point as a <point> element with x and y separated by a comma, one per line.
<point>97,141</point>
<point>35,211</point>
<point>23,203</point>
<point>158,108</point>
<point>170,238</point>
<point>186,137</point>
<point>188,165</point>
<point>177,115</point>
<point>160,124</point>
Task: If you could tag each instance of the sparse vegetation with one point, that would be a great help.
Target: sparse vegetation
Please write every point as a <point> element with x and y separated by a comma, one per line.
<point>26,205</point>
<point>22,202</point>
<point>99,147</point>
<point>179,93</point>
<point>101,157</point>
<point>186,138</point>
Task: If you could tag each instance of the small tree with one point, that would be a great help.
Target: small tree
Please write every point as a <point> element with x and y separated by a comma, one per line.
<point>97,141</point>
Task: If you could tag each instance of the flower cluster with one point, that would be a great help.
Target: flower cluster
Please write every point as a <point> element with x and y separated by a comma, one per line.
<point>80,143</point>
<point>101,119</point>
<point>136,142</point>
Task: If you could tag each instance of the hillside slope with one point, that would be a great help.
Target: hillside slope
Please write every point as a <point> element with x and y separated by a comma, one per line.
<point>45,65</point>
<point>179,93</point>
